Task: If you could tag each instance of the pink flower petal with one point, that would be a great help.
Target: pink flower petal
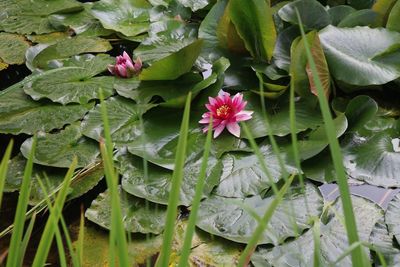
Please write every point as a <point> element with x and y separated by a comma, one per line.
<point>212,101</point>
<point>243,115</point>
<point>218,130</point>
<point>237,99</point>
<point>111,69</point>
<point>205,120</point>
<point>121,71</point>
<point>234,128</point>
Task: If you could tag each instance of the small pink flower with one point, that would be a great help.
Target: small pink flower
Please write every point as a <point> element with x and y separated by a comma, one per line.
<point>226,112</point>
<point>124,66</point>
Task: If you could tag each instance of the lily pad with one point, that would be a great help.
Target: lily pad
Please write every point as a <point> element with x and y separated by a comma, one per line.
<point>333,240</point>
<point>137,215</point>
<point>229,219</point>
<point>382,241</point>
<point>130,18</point>
<point>352,62</point>
<point>308,116</point>
<point>124,116</point>
<point>156,185</point>
<point>51,178</point>
<point>312,13</point>
<point>68,47</point>
<point>392,217</point>
<point>20,114</point>
<point>194,5</point>
<point>26,17</point>
<point>12,48</point>
<point>59,149</point>
<point>243,175</point>
<point>69,85</point>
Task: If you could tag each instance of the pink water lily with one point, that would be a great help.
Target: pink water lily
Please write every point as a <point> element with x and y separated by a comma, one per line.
<point>226,112</point>
<point>124,66</point>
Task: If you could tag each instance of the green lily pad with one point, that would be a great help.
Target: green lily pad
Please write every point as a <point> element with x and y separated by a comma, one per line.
<point>123,115</point>
<point>137,216</point>
<point>165,38</point>
<point>282,47</point>
<point>392,217</point>
<point>382,241</point>
<point>174,65</point>
<point>363,17</point>
<point>393,23</point>
<point>156,185</point>
<point>73,84</point>
<point>373,156</point>
<point>82,23</point>
<point>312,13</point>
<point>243,176</point>
<point>130,18</point>
<point>308,116</point>
<point>194,5</point>
<point>224,217</point>
<point>349,60</point>
<point>68,47</point>
<point>26,17</point>
<point>333,240</point>
<point>59,149</point>
<point>139,248</point>
<point>51,178</point>
<point>12,48</point>
<point>338,13</point>
<point>20,114</point>
<point>255,25</point>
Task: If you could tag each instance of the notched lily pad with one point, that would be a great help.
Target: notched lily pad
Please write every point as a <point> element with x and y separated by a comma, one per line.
<point>156,185</point>
<point>223,217</point>
<point>59,149</point>
<point>137,216</point>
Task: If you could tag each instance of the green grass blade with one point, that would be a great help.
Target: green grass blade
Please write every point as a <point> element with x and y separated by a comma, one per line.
<point>251,245</point>
<point>163,259</point>
<point>27,237</point>
<point>52,221</point>
<point>357,255</point>
<point>14,254</point>
<point>81,236</point>
<point>4,168</point>
<point>187,244</point>
<point>317,243</point>
<point>117,234</point>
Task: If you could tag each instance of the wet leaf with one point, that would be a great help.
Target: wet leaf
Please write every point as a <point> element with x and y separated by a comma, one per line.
<point>392,217</point>
<point>13,48</point>
<point>20,114</point>
<point>333,239</point>
<point>137,215</point>
<point>156,185</point>
<point>59,149</point>
<point>223,217</point>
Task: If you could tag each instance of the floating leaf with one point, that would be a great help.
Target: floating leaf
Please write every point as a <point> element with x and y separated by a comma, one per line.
<point>82,23</point>
<point>130,18</point>
<point>26,17</point>
<point>230,219</point>
<point>12,48</point>
<point>73,84</point>
<point>313,15</point>
<point>66,48</point>
<point>123,114</point>
<point>282,47</point>
<point>382,241</point>
<point>137,215</point>
<point>254,24</point>
<point>352,62</point>
<point>244,176</point>
<point>156,185</point>
<point>363,17</point>
<point>194,5</point>
<point>20,114</point>
<point>393,19</point>
<point>392,217</point>
<point>333,240</point>
<point>338,13</point>
<point>59,149</point>
<point>51,178</point>
<point>174,65</point>
<point>307,116</point>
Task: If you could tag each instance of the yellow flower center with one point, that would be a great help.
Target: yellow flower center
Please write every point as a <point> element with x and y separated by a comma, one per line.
<point>224,111</point>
